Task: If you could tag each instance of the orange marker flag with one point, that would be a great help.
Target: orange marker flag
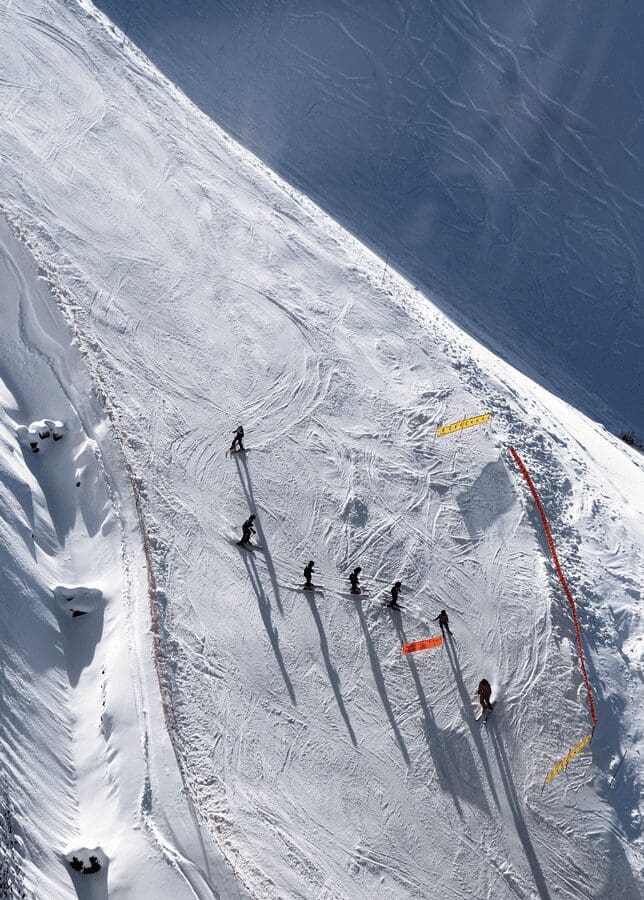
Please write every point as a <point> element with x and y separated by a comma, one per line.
<point>422,645</point>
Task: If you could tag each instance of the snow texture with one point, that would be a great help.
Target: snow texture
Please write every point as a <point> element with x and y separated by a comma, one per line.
<point>194,290</point>
<point>491,151</point>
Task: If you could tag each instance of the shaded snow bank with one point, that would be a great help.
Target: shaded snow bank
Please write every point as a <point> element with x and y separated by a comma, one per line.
<point>490,152</point>
<point>87,770</point>
<point>207,292</point>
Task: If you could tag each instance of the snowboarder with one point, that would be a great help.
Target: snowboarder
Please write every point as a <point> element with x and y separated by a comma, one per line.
<point>238,440</point>
<point>485,692</point>
<point>393,603</point>
<point>247,531</point>
<point>443,620</point>
<point>308,572</point>
<point>354,578</point>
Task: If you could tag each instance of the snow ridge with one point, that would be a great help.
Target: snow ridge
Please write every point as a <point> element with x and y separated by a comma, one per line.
<point>324,762</point>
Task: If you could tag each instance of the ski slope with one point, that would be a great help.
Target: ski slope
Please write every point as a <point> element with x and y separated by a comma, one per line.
<point>313,757</point>
<point>490,151</point>
<point>87,764</point>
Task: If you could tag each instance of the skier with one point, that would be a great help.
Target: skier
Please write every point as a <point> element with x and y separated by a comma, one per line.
<point>354,578</point>
<point>247,531</point>
<point>393,603</point>
<point>238,439</point>
<point>308,572</point>
<point>485,692</point>
<point>443,620</point>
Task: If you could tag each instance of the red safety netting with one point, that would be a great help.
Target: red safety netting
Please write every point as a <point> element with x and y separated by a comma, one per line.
<point>427,644</point>
<point>562,579</point>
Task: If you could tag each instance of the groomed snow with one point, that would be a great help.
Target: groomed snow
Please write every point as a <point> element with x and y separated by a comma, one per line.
<point>491,151</point>
<point>87,767</point>
<point>203,292</point>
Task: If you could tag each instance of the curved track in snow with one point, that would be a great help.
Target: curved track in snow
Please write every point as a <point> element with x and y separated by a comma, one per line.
<point>206,292</point>
<point>86,763</point>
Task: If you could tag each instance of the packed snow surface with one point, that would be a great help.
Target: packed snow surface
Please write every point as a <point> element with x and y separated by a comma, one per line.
<point>491,151</point>
<point>302,755</point>
<point>88,770</point>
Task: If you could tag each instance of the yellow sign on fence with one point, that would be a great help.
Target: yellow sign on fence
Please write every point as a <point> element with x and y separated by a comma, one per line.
<point>464,423</point>
<point>564,762</point>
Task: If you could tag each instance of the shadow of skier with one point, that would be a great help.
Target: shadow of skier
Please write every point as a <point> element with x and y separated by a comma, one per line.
<point>334,678</point>
<point>247,487</point>
<point>468,715</point>
<point>378,678</point>
<point>515,808</point>
<point>432,736</point>
<point>265,612</point>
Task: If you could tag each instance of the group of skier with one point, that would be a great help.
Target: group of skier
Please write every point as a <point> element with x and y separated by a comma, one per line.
<point>484,690</point>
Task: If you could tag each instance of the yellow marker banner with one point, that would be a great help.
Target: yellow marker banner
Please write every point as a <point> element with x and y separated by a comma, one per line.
<point>564,762</point>
<point>464,423</point>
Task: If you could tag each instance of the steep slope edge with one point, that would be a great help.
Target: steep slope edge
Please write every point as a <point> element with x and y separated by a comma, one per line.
<point>206,291</point>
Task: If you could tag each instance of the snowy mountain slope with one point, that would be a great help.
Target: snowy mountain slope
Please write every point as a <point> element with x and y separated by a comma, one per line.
<point>205,291</point>
<point>86,762</point>
<point>492,152</point>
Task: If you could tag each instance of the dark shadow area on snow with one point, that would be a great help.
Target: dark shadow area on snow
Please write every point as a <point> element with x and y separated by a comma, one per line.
<point>620,881</point>
<point>265,612</point>
<point>515,808</point>
<point>80,634</point>
<point>92,886</point>
<point>469,717</point>
<point>241,461</point>
<point>486,499</point>
<point>334,678</point>
<point>55,473</point>
<point>378,677</point>
<point>451,776</point>
<point>491,154</point>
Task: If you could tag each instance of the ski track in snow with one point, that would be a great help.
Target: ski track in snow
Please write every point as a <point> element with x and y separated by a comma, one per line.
<point>489,151</point>
<point>83,750</point>
<point>204,292</point>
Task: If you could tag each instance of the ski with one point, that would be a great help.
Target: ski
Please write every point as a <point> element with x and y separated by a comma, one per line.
<point>485,715</point>
<point>230,452</point>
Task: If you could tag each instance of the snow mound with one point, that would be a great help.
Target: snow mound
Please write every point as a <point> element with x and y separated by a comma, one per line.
<point>36,434</point>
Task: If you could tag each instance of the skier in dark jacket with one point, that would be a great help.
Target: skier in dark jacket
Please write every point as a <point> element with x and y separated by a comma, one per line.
<point>308,573</point>
<point>247,531</point>
<point>238,440</point>
<point>443,620</point>
<point>485,692</point>
<point>354,578</point>
<point>393,603</point>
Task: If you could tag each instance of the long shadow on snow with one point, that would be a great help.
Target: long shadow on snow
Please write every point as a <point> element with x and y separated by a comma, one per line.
<point>247,486</point>
<point>265,611</point>
<point>445,754</point>
<point>334,678</point>
<point>468,715</point>
<point>378,678</point>
<point>517,815</point>
<point>55,472</point>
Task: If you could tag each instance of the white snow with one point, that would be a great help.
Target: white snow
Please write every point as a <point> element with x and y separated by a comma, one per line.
<point>491,151</point>
<point>313,758</point>
<point>87,765</point>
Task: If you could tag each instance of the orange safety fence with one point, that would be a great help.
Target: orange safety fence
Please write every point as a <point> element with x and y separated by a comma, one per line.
<point>422,645</point>
<point>562,579</point>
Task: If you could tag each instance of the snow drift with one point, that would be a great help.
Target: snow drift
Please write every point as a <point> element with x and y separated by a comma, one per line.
<point>203,291</point>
